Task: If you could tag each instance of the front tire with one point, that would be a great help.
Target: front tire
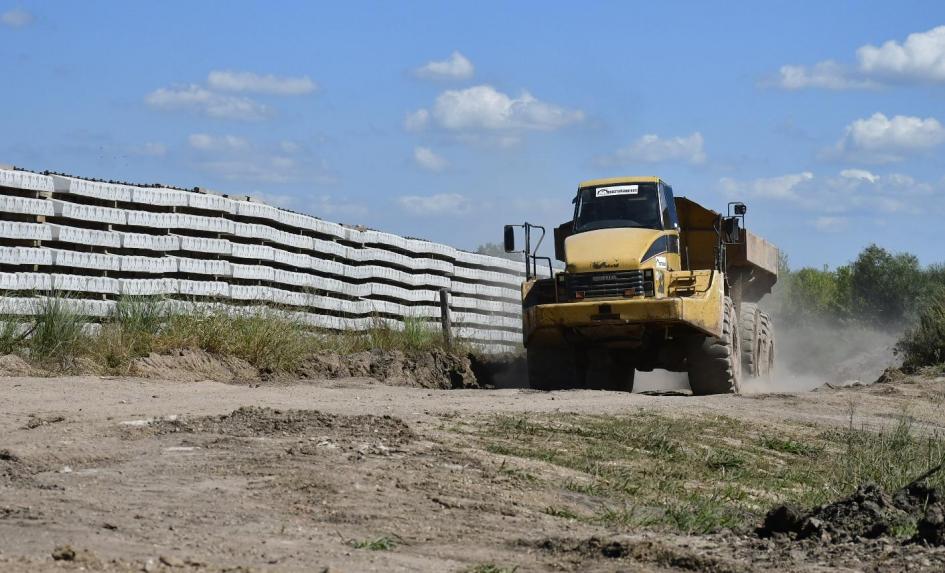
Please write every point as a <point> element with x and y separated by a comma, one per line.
<point>715,364</point>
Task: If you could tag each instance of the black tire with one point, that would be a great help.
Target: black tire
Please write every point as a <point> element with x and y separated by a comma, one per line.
<point>766,354</point>
<point>553,367</point>
<point>749,330</point>
<point>715,364</point>
<point>610,370</point>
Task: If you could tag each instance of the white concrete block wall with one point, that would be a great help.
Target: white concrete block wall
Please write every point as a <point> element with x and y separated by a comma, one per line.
<point>25,256</point>
<point>161,243</point>
<point>80,236</point>
<point>26,206</point>
<point>79,259</point>
<point>343,271</point>
<point>94,189</point>
<point>25,231</point>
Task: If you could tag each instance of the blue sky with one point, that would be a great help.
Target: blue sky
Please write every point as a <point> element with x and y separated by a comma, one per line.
<point>445,121</point>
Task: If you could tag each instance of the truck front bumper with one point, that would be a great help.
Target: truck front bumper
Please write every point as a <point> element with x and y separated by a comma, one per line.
<point>612,318</point>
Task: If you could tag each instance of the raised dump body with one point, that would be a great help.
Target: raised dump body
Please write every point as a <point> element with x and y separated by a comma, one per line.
<point>650,281</point>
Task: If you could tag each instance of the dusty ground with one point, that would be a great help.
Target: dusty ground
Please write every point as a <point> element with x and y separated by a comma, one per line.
<point>156,474</point>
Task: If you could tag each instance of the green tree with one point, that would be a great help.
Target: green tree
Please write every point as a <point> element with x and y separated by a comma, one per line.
<point>885,287</point>
<point>924,344</point>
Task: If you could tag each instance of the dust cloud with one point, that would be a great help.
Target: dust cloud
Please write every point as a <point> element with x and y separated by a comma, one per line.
<point>813,354</point>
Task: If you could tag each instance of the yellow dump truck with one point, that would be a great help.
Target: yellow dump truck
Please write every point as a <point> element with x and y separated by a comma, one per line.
<point>650,281</point>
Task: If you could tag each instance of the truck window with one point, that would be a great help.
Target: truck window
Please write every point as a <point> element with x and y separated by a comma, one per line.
<point>616,206</point>
<point>670,221</point>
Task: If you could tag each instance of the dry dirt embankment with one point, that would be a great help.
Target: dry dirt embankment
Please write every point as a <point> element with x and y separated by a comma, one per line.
<point>348,474</point>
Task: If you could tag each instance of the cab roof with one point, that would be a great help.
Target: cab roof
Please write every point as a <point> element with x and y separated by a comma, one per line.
<point>618,180</point>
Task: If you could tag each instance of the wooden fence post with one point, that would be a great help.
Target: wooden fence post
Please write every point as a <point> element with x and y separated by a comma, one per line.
<point>445,318</point>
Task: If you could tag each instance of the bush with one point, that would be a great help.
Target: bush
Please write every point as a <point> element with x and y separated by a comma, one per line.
<point>12,335</point>
<point>924,345</point>
<point>58,336</point>
<point>129,333</point>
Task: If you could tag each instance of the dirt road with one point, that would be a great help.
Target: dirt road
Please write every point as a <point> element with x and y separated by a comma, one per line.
<point>352,475</point>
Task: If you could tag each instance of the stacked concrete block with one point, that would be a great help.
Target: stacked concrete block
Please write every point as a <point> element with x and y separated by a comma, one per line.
<point>112,239</point>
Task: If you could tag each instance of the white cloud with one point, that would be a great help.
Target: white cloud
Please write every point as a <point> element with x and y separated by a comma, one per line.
<point>827,75</point>
<point>921,57</point>
<point>782,187</point>
<point>256,170</point>
<point>881,139</point>
<point>427,159</point>
<point>201,100</point>
<point>16,18</point>
<point>483,108</point>
<point>150,149</point>
<point>859,174</point>
<point>832,197</point>
<point>417,120</point>
<point>652,148</point>
<point>456,67</point>
<point>439,204</point>
<point>206,142</point>
<point>250,82</point>
<point>327,205</point>
<point>831,224</point>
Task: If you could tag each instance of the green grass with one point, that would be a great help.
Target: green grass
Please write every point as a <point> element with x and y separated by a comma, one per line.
<point>11,335</point>
<point>789,446</point>
<point>271,340</point>
<point>383,543</point>
<point>561,512</point>
<point>491,568</point>
<point>699,474</point>
<point>57,339</point>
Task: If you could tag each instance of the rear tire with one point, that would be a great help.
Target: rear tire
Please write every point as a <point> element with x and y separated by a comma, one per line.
<point>715,364</point>
<point>766,353</point>
<point>749,330</point>
<point>553,367</point>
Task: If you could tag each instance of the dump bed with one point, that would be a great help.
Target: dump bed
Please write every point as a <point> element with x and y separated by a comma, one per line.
<point>752,264</point>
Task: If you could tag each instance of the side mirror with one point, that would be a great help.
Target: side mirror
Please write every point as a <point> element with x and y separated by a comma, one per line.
<point>740,208</point>
<point>731,231</point>
<point>509,239</point>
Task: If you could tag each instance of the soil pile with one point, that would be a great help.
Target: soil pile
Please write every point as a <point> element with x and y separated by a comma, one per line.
<point>869,513</point>
<point>193,366</point>
<point>13,365</point>
<point>424,369</point>
<point>252,421</point>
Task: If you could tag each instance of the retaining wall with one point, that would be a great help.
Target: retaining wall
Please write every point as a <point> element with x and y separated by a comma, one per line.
<point>98,241</point>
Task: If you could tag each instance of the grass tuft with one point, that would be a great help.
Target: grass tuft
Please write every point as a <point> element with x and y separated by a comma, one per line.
<point>383,543</point>
<point>491,568</point>
<point>57,337</point>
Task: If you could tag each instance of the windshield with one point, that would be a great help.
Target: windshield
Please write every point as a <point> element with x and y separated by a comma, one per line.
<point>615,206</point>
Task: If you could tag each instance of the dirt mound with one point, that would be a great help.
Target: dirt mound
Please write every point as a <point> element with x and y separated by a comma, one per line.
<point>636,550</point>
<point>427,369</point>
<point>14,471</point>
<point>869,513</point>
<point>252,421</point>
<point>193,366</point>
<point>13,365</point>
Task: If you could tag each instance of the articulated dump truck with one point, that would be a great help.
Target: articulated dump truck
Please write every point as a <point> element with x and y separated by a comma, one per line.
<point>650,281</point>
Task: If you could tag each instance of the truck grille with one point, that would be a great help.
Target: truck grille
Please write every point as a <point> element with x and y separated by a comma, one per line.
<point>610,284</point>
